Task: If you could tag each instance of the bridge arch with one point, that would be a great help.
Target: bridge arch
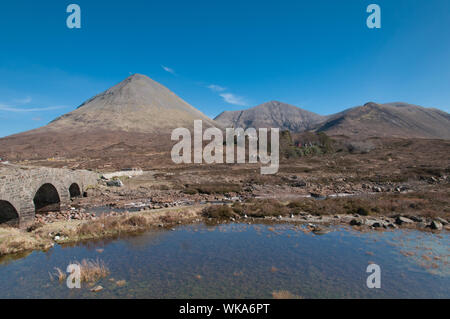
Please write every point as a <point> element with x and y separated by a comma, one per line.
<point>46,199</point>
<point>74,190</point>
<point>8,213</point>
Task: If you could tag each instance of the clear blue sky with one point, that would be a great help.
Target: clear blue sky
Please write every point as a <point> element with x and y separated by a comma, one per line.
<point>223,55</point>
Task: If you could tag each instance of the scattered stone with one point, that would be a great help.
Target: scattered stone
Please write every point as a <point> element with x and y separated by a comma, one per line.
<point>437,225</point>
<point>441,220</point>
<point>115,183</point>
<point>400,220</point>
<point>299,184</point>
<point>377,189</point>
<point>355,222</point>
<point>417,219</point>
<point>97,288</point>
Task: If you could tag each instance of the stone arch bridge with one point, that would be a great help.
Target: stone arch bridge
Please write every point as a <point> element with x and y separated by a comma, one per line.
<point>25,191</point>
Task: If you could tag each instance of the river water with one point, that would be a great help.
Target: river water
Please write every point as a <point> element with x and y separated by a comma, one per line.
<point>243,261</point>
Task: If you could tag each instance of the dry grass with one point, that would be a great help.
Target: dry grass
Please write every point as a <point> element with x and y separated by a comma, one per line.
<point>333,206</point>
<point>61,275</point>
<point>427,204</point>
<point>261,208</point>
<point>92,270</point>
<point>213,188</point>
<point>284,294</point>
<point>14,240</point>
<point>251,208</point>
<point>219,211</point>
<point>134,222</point>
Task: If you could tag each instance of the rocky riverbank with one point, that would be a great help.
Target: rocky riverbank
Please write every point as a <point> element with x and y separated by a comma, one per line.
<point>75,225</point>
<point>220,214</point>
<point>45,235</point>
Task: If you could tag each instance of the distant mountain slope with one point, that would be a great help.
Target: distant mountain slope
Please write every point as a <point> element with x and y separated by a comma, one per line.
<point>271,114</point>
<point>137,104</point>
<point>391,119</point>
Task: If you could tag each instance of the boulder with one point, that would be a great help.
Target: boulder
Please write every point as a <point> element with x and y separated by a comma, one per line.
<point>441,220</point>
<point>355,222</point>
<point>417,219</point>
<point>377,224</point>
<point>115,183</point>
<point>435,224</point>
<point>400,220</point>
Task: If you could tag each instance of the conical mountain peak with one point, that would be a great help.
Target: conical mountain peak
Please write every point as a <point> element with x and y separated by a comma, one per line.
<point>136,104</point>
<point>137,76</point>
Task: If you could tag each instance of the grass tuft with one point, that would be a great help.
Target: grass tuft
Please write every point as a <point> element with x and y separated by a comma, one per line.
<point>92,270</point>
<point>219,211</point>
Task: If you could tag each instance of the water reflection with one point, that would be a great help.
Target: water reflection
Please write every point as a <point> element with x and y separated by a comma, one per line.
<point>244,261</point>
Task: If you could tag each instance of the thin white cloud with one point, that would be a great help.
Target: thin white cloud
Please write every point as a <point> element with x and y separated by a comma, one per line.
<point>233,99</point>
<point>167,69</point>
<point>23,101</point>
<point>7,108</point>
<point>228,97</point>
<point>216,88</point>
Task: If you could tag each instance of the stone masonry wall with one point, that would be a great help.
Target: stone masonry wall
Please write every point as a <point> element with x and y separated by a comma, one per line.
<point>18,186</point>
